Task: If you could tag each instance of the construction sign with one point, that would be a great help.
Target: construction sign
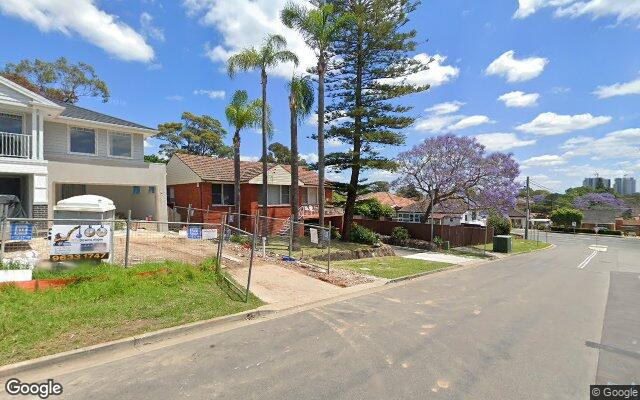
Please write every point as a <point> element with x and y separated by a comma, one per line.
<point>80,242</point>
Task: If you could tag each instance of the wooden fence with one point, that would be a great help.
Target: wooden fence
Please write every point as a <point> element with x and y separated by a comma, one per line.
<point>456,235</point>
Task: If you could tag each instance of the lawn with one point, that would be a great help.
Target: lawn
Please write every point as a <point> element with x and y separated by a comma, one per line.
<point>389,267</point>
<point>520,246</point>
<point>108,303</point>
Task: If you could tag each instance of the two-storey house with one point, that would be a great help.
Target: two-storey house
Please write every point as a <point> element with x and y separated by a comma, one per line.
<point>50,151</point>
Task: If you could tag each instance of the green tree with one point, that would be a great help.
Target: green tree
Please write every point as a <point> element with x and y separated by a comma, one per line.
<point>300,106</point>
<point>196,134</point>
<point>58,80</point>
<point>409,191</point>
<point>565,216</point>
<point>155,159</point>
<point>501,225</point>
<point>379,186</point>
<point>241,113</point>
<point>272,53</point>
<point>319,26</point>
<point>366,79</point>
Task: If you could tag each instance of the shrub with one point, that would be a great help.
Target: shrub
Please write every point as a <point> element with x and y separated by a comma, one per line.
<point>500,224</point>
<point>565,216</point>
<point>360,234</point>
<point>335,233</point>
<point>240,239</point>
<point>438,241</point>
<point>372,208</point>
<point>400,234</point>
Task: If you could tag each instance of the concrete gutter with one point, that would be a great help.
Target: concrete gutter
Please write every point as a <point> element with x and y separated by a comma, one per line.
<point>129,343</point>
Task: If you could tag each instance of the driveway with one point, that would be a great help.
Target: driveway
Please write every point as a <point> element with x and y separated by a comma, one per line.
<point>433,256</point>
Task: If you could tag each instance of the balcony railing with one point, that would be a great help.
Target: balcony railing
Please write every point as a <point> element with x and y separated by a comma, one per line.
<point>312,210</point>
<point>15,145</point>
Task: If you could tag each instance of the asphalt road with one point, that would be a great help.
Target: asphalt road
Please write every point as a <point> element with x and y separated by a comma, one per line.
<point>530,326</point>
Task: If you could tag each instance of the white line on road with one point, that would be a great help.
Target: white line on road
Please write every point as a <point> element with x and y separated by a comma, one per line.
<point>587,260</point>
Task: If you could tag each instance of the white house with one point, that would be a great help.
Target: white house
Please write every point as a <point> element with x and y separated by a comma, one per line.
<point>452,213</point>
<point>51,151</point>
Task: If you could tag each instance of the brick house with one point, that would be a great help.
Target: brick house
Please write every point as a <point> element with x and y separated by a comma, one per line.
<point>206,183</point>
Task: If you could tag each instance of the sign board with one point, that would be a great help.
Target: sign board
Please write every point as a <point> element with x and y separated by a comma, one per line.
<point>21,231</point>
<point>573,223</point>
<point>209,234</point>
<point>194,232</point>
<point>313,232</point>
<point>80,242</point>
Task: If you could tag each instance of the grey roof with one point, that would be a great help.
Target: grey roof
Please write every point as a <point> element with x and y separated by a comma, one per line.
<point>73,111</point>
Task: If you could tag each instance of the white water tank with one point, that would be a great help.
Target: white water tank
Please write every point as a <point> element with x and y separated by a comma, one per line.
<point>87,206</point>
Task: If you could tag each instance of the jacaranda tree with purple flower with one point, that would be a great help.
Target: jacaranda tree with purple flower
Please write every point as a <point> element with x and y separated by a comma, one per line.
<point>598,200</point>
<point>450,167</point>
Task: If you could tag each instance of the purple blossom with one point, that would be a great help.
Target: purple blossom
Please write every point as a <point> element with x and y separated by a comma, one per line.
<point>539,198</point>
<point>455,167</point>
<point>598,200</point>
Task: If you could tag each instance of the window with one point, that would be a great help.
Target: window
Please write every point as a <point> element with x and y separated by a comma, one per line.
<point>310,195</point>
<point>171,194</point>
<point>120,145</point>
<point>223,194</point>
<point>82,141</point>
<point>136,190</point>
<point>152,189</point>
<point>277,195</point>
<point>10,123</point>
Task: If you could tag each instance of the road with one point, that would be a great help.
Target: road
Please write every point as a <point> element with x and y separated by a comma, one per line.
<point>531,326</point>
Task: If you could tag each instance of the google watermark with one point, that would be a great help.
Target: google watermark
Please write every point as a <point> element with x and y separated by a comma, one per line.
<point>43,390</point>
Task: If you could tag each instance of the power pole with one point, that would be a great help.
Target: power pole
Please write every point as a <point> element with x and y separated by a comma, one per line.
<point>526,228</point>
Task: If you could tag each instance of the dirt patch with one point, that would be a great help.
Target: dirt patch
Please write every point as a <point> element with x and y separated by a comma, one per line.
<point>382,251</point>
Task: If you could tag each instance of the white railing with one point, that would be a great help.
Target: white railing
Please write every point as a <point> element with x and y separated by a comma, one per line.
<point>15,145</point>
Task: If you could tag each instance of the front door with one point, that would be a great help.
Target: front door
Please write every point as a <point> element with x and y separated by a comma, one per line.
<point>11,185</point>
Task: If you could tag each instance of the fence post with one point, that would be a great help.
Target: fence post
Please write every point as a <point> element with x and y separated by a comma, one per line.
<point>223,222</point>
<point>486,228</point>
<point>253,246</point>
<point>189,214</point>
<point>127,240</point>
<point>329,250</point>
<point>3,227</point>
<point>291,226</point>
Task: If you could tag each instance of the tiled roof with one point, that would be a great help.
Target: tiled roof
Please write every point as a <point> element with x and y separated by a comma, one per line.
<point>221,169</point>
<point>389,199</point>
<point>73,111</point>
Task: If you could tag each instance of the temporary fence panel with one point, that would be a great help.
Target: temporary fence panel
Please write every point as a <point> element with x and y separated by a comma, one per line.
<point>236,252</point>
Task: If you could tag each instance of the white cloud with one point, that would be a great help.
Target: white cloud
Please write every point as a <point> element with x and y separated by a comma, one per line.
<point>249,158</point>
<point>438,74</point>
<point>174,97</point>
<point>547,160</point>
<point>516,70</point>
<point>618,89</point>
<point>442,118</point>
<point>620,9</point>
<point>333,142</point>
<point>468,122</point>
<point>445,108</point>
<point>310,158</point>
<point>502,141</point>
<point>245,23</point>
<point>519,99</point>
<point>148,29</point>
<point>212,94</point>
<point>381,175</point>
<point>147,144</point>
<point>84,18</point>
<point>546,181</point>
<point>619,144</point>
<point>553,124</point>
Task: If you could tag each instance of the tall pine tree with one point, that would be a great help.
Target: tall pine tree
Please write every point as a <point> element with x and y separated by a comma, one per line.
<point>364,82</point>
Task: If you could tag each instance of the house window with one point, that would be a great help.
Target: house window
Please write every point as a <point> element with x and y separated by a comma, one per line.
<point>152,189</point>
<point>120,144</point>
<point>223,194</point>
<point>310,195</point>
<point>82,140</point>
<point>136,190</point>
<point>67,191</point>
<point>10,123</point>
<point>277,195</point>
<point>171,194</point>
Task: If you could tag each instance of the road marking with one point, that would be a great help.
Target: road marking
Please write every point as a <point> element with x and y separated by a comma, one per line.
<point>598,247</point>
<point>587,260</point>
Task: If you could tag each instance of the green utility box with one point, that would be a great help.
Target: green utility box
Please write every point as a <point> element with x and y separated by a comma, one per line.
<point>446,245</point>
<point>502,244</point>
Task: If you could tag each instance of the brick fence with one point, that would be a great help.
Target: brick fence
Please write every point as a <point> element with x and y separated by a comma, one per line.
<point>456,235</point>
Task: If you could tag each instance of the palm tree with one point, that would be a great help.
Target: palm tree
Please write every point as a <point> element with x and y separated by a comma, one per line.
<point>272,53</point>
<point>241,113</point>
<point>300,104</point>
<point>319,26</point>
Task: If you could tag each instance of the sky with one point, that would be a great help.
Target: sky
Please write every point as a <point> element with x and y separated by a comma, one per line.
<point>555,82</point>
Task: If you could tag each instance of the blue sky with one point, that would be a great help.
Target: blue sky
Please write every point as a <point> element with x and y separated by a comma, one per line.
<point>556,82</point>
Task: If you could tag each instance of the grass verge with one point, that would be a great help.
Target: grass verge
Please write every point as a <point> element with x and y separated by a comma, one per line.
<point>521,246</point>
<point>389,267</point>
<point>110,302</point>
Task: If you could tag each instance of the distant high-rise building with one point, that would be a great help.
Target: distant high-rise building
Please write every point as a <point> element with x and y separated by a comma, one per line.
<point>597,183</point>
<point>626,185</point>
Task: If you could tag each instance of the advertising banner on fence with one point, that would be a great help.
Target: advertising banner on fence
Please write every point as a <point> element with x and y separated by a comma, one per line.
<point>80,242</point>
